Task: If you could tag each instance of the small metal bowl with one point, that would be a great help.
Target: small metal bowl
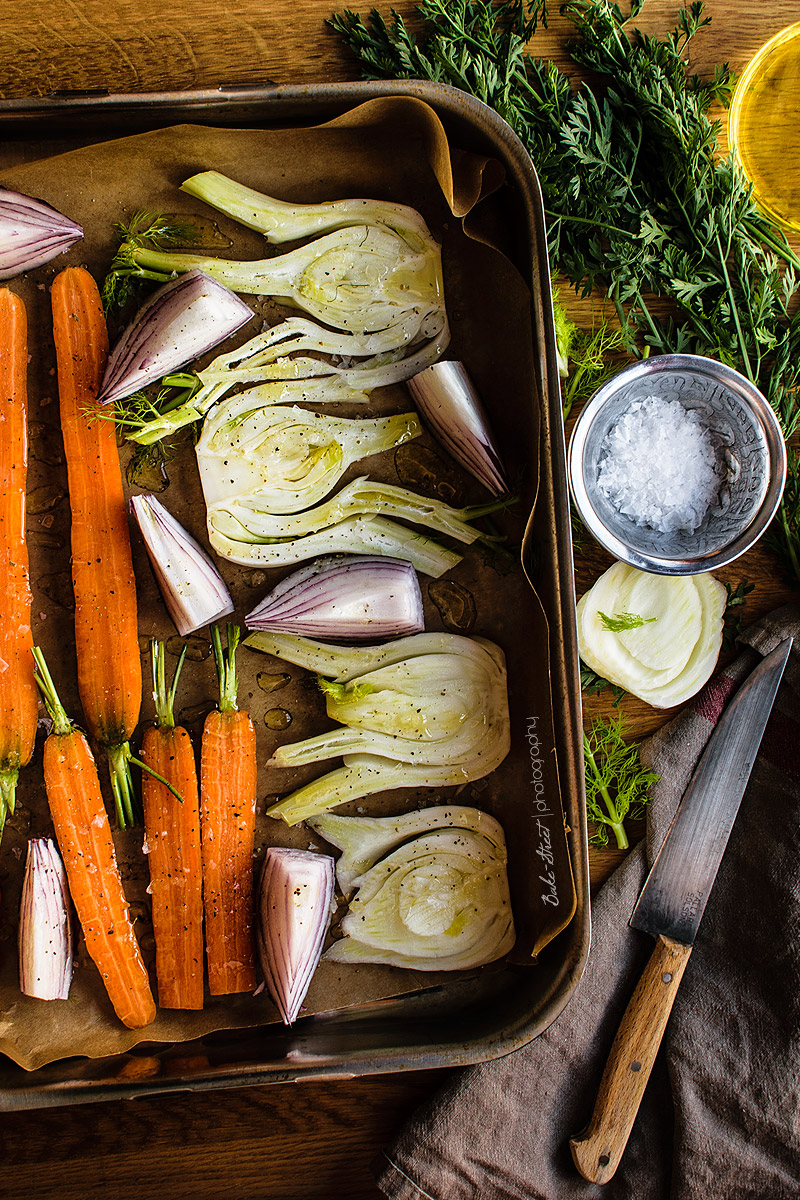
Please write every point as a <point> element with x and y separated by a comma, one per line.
<point>751,455</point>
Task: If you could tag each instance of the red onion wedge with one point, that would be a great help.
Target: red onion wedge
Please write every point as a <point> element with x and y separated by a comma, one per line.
<point>182,320</point>
<point>31,233</point>
<point>193,589</point>
<point>45,926</point>
<point>294,913</point>
<point>349,597</point>
<point>451,407</point>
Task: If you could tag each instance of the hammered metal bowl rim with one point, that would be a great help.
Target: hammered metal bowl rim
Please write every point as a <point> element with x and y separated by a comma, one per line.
<point>748,394</point>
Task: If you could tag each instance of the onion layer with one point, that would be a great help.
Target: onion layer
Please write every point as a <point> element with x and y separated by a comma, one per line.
<point>45,928</point>
<point>295,905</point>
<point>450,405</point>
<point>193,589</point>
<point>182,320</point>
<point>31,233</point>
<point>348,597</point>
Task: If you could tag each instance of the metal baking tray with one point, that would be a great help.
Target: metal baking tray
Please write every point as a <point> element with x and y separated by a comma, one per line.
<point>448,1025</point>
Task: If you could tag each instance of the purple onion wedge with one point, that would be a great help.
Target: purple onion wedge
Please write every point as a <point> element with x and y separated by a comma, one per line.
<point>45,925</point>
<point>347,597</point>
<point>451,407</point>
<point>31,233</point>
<point>193,589</point>
<point>294,914</point>
<point>182,320</point>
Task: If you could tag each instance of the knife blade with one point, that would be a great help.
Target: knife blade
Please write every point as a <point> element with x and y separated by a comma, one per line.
<point>671,905</point>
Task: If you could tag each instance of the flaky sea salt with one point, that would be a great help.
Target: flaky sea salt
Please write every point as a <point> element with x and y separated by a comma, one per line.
<point>658,466</point>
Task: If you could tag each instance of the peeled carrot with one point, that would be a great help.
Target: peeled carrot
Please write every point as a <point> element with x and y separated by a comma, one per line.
<point>19,701</point>
<point>84,839</point>
<point>172,836</point>
<point>106,634</point>
<point>228,814</point>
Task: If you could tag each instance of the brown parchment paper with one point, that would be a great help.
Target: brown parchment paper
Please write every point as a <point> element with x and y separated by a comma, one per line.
<point>393,149</point>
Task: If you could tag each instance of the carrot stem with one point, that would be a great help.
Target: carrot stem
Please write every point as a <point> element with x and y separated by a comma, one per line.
<point>119,758</point>
<point>225,661</point>
<point>8,794</point>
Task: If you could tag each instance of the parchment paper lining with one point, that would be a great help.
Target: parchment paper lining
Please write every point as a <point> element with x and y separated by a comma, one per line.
<point>388,149</point>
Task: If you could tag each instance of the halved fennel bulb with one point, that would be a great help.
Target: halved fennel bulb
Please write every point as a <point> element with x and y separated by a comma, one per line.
<point>298,348</point>
<point>439,902</point>
<point>288,457</point>
<point>360,279</point>
<point>285,221</point>
<point>670,637</point>
<point>429,710</point>
<point>363,841</point>
<point>266,469</point>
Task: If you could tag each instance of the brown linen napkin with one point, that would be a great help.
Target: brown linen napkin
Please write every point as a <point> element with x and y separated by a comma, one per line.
<point>720,1118</point>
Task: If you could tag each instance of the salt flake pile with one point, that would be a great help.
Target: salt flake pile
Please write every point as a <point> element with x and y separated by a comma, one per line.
<point>658,466</point>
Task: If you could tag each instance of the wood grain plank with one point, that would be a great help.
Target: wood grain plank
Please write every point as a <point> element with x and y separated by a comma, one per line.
<point>311,1141</point>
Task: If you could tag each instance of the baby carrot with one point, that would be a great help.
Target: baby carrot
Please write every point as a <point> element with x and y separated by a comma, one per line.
<point>84,839</point>
<point>19,700</point>
<point>172,836</point>
<point>106,634</point>
<point>228,813</point>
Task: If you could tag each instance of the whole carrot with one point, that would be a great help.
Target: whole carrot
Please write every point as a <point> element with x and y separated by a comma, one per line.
<point>228,813</point>
<point>172,836</point>
<point>19,701</point>
<point>106,634</point>
<point>84,839</point>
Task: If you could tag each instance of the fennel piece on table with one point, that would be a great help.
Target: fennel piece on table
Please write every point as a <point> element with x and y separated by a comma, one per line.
<point>283,221</point>
<point>429,710</point>
<point>656,636</point>
<point>431,888</point>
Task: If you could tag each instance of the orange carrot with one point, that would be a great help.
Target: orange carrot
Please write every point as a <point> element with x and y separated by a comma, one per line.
<point>228,814</point>
<point>106,634</point>
<point>19,701</point>
<point>172,836</point>
<point>87,848</point>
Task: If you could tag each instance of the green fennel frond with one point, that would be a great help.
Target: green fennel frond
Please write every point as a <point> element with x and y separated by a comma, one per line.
<point>144,229</point>
<point>620,622</point>
<point>617,785</point>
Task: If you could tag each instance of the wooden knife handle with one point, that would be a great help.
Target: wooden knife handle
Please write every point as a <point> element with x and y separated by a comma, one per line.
<point>597,1151</point>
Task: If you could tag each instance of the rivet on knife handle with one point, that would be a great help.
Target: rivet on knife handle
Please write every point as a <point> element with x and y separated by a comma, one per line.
<point>597,1151</point>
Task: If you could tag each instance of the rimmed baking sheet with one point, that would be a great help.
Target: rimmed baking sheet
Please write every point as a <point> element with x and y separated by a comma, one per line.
<point>392,147</point>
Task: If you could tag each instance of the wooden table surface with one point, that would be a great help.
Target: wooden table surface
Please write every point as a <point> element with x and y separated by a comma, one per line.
<point>293,1141</point>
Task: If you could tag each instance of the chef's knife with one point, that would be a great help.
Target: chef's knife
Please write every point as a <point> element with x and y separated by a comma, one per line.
<point>671,905</point>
